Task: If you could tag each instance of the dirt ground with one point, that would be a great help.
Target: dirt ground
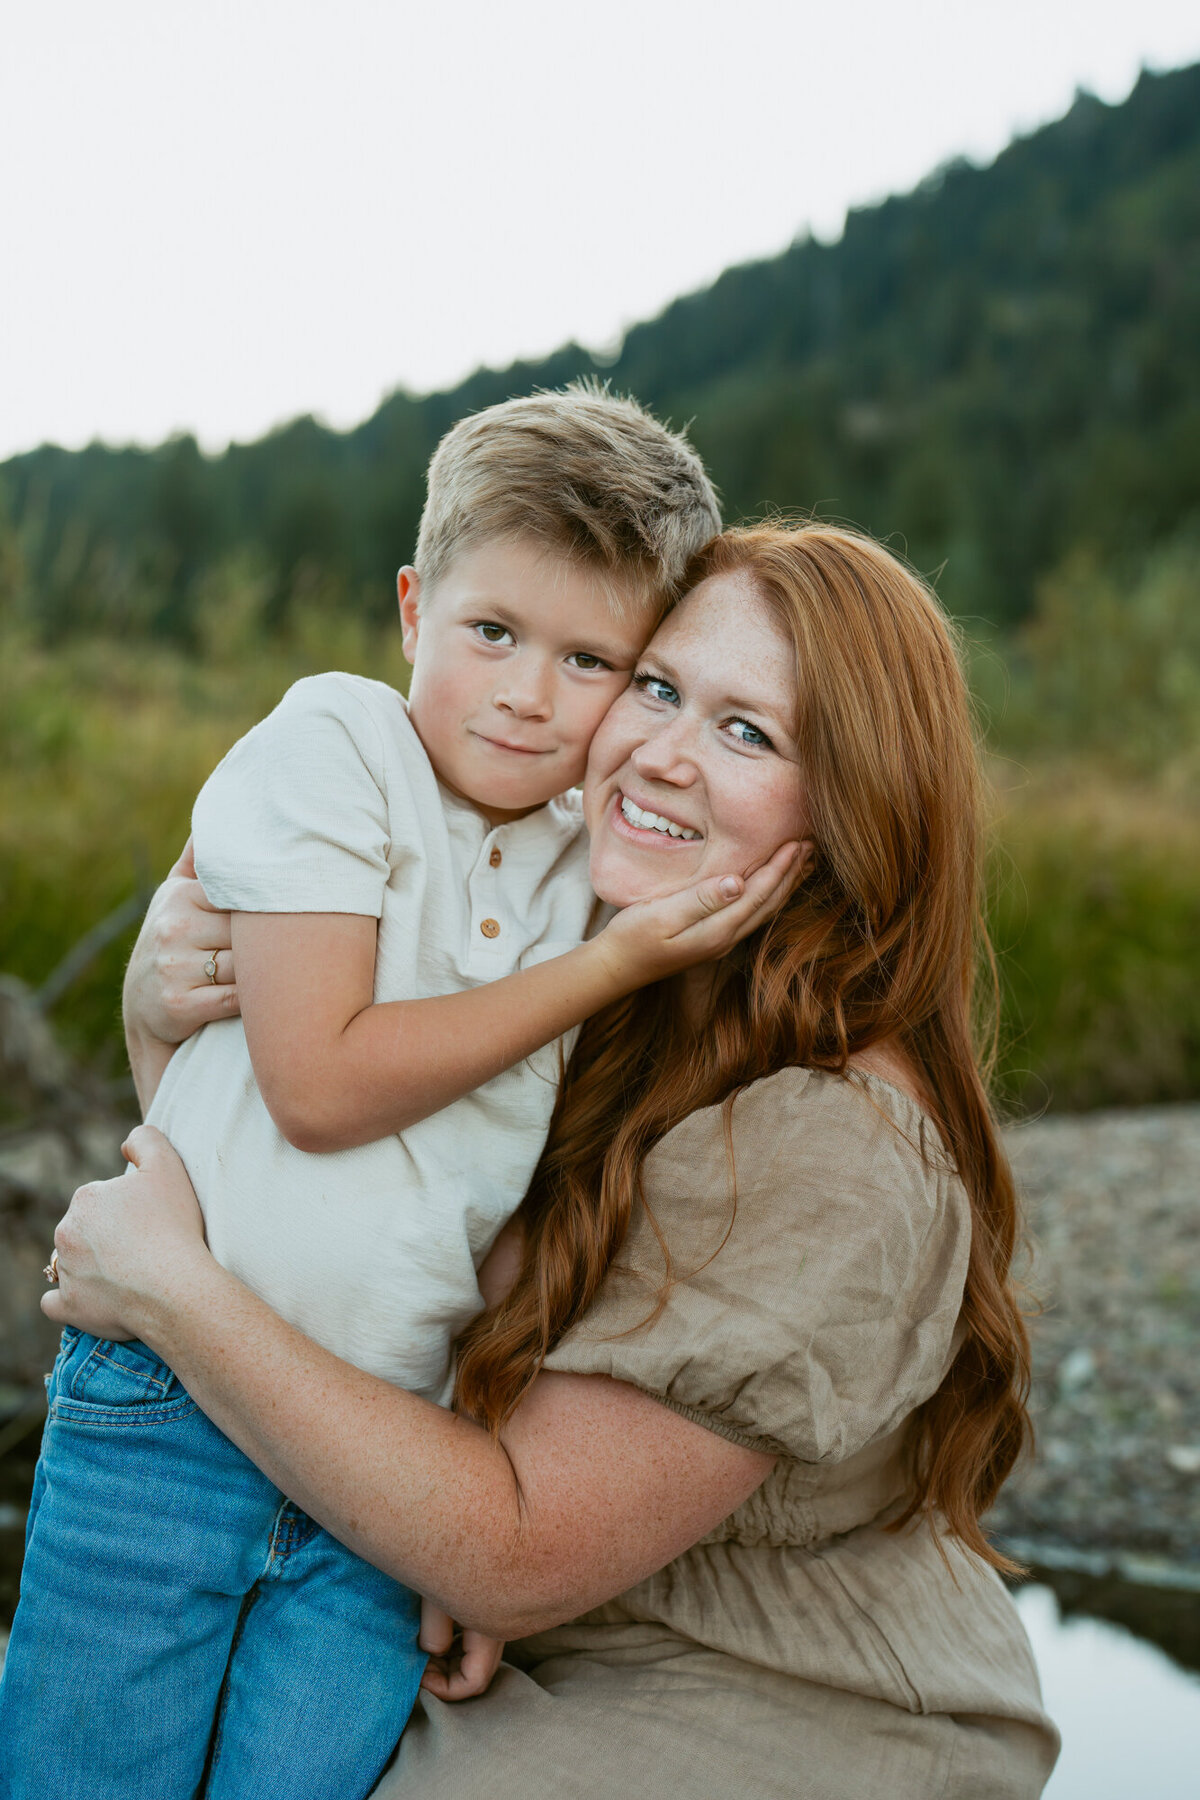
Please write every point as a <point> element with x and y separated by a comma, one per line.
<point>1113,1202</point>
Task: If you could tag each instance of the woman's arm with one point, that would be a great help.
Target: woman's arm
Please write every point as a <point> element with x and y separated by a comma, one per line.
<point>336,1070</point>
<point>166,996</point>
<point>592,1486</point>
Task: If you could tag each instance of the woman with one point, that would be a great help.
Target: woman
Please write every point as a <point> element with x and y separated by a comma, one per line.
<point>761,1367</point>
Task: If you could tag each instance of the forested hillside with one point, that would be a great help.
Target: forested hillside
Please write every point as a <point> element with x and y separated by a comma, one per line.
<point>1002,368</point>
<point>1001,371</point>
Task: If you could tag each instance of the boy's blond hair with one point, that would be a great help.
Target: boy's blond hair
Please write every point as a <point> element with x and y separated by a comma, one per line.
<point>592,476</point>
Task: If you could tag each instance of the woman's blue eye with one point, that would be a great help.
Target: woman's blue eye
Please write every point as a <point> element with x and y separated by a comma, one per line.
<point>490,632</point>
<point>657,689</point>
<point>749,734</point>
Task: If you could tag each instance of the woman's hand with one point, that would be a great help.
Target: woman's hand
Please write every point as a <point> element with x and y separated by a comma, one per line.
<point>461,1664</point>
<point>126,1243</point>
<point>654,938</point>
<point>168,993</point>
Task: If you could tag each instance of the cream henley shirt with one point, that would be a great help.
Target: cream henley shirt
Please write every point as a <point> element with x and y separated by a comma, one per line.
<point>331,805</point>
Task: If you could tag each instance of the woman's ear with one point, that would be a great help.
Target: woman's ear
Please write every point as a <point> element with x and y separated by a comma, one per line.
<point>408,592</point>
<point>806,862</point>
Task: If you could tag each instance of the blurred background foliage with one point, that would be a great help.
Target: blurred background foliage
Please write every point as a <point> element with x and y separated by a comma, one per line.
<point>999,373</point>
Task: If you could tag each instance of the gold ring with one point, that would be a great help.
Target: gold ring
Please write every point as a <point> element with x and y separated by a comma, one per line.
<point>210,969</point>
<point>51,1269</point>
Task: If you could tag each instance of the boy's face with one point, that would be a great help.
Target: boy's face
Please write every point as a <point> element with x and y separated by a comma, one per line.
<point>517,655</point>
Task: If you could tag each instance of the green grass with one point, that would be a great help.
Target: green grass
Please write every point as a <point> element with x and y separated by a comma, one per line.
<point>1096,917</point>
<point>1093,715</point>
<point>103,747</point>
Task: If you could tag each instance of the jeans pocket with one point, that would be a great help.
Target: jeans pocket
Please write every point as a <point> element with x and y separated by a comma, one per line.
<point>102,1373</point>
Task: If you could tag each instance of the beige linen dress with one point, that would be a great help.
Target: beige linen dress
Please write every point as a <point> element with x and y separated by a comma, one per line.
<point>800,1650</point>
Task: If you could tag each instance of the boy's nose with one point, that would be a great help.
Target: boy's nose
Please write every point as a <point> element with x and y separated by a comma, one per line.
<point>527,693</point>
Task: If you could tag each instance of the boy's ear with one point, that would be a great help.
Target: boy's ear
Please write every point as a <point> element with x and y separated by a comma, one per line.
<point>408,592</point>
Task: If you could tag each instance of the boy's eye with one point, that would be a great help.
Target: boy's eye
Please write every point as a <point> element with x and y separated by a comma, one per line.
<point>490,631</point>
<point>746,733</point>
<point>584,659</point>
<point>657,689</point>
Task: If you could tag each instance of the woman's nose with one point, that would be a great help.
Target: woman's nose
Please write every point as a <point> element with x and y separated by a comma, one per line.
<point>666,755</point>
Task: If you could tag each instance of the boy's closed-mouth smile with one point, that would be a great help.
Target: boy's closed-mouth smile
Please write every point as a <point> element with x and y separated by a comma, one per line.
<point>516,749</point>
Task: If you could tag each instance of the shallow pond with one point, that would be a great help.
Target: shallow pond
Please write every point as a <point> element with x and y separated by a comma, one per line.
<point>1129,1712</point>
<point>1119,1659</point>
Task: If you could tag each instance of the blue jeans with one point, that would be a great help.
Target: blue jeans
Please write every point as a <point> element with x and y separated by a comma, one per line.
<point>183,1628</point>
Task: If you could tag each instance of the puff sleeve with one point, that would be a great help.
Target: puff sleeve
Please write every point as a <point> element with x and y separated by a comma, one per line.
<point>295,818</point>
<point>817,1259</point>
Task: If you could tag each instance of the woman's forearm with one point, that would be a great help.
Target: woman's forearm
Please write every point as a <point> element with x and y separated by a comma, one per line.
<point>592,1487</point>
<point>414,1489</point>
<point>161,1001</point>
<point>148,1059</point>
<point>148,1055</point>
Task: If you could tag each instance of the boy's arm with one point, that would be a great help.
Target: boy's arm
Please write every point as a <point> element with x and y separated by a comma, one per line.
<point>336,1070</point>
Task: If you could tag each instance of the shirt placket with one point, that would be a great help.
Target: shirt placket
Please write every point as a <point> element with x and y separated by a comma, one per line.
<point>492,925</point>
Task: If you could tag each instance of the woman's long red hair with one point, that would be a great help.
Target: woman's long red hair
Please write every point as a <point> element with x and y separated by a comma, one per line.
<point>881,944</point>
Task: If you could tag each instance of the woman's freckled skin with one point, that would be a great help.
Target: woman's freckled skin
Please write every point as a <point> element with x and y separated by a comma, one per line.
<point>691,747</point>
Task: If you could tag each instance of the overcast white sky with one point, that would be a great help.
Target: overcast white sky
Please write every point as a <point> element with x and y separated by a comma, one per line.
<point>216,216</point>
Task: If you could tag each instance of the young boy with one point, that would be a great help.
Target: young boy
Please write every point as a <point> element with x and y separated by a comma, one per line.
<point>398,876</point>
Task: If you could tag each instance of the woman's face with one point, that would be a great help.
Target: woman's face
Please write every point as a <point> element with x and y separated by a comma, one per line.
<point>694,770</point>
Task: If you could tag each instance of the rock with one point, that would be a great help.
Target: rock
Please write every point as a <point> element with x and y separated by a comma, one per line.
<point>1112,1277</point>
<point>33,1068</point>
<point>1076,1370</point>
<point>58,1131</point>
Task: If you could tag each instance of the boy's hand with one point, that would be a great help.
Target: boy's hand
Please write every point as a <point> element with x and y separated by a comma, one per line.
<point>461,1665</point>
<point>655,938</point>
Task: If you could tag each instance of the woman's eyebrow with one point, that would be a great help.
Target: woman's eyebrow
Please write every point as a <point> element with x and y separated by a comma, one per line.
<point>740,703</point>
<point>736,703</point>
<point>661,663</point>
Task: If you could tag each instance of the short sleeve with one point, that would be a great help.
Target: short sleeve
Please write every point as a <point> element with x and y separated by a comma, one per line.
<point>816,1283</point>
<point>295,819</point>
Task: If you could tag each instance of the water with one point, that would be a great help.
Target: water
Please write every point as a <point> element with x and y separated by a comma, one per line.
<point>1129,1714</point>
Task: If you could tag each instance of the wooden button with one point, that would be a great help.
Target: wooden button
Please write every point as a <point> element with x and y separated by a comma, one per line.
<point>495,858</point>
<point>490,928</point>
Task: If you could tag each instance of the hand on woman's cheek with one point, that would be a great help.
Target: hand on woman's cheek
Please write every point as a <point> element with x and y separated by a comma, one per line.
<point>124,1242</point>
<point>704,741</point>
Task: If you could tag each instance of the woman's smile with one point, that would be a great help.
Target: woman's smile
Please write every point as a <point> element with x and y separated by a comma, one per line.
<point>643,825</point>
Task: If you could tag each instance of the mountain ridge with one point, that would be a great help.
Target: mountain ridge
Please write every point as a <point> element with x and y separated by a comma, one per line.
<point>991,370</point>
